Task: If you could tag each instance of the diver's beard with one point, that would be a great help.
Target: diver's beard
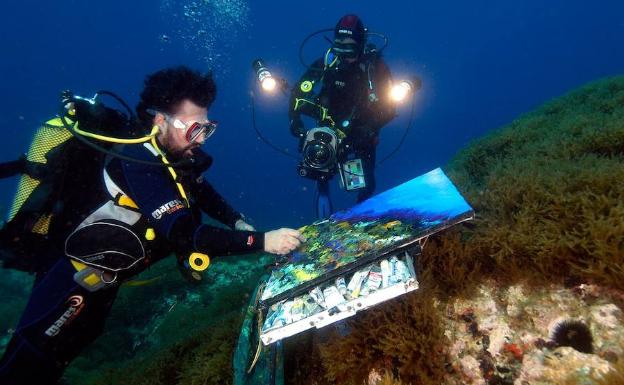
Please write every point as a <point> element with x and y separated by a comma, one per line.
<point>187,151</point>
<point>167,141</point>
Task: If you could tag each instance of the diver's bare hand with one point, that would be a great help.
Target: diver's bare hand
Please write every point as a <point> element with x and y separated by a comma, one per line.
<point>282,241</point>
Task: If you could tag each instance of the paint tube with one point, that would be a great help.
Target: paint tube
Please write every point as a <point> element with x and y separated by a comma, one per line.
<point>341,285</point>
<point>332,296</point>
<point>402,271</point>
<point>355,285</point>
<point>364,289</point>
<point>297,311</point>
<point>385,273</point>
<point>317,295</point>
<point>311,307</point>
<point>374,280</point>
<point>410,265</point>
<point>356,279</point>
<point>394,277</point>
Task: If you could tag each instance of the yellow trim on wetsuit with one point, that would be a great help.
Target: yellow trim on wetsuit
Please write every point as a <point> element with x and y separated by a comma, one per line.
<point>126,201</point>
<point>92,279</point>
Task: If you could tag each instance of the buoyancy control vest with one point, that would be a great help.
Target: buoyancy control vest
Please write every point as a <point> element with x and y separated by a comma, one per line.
<point>361,75</point>
<point>63,168</point>
<point>39,198</point>
<point>68,167</point>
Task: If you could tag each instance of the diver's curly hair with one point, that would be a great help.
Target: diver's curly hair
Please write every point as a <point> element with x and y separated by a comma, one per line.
<point>166,89</point>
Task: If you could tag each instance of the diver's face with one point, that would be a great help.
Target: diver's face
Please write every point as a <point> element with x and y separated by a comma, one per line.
<point>176,140</point>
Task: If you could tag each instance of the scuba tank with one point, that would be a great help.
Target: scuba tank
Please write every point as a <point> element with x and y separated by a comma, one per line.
<point>36,200</point>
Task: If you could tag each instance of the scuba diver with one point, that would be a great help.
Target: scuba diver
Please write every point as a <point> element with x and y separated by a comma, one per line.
<point>347,93</point>
<point>111,214</point>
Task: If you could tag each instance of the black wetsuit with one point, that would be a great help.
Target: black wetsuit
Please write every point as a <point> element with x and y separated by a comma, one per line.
<point>347,95</point>
<point>62,317</point>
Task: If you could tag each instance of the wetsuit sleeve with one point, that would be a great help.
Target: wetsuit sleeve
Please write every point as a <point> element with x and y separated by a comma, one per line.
<point>9,169</point>
<point>154,192</point>
<point>213,204</point>
<point>313,74</point>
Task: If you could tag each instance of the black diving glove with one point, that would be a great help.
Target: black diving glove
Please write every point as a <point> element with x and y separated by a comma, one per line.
<point>296,127</point>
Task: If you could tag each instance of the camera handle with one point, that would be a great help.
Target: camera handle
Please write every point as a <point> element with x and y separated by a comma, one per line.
<point>322,201</point>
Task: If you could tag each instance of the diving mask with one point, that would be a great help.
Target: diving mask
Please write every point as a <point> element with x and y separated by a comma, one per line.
<point>194,130</point>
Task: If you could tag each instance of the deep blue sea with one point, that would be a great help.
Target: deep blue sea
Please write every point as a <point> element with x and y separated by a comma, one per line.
<point>482,64</point>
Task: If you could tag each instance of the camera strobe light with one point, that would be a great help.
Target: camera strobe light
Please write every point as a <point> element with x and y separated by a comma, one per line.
<point>400,91</point>
<point>268,83</point>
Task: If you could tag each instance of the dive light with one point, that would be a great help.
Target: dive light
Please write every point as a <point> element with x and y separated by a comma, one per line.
<point>401,90</point>
<point>267,81</point>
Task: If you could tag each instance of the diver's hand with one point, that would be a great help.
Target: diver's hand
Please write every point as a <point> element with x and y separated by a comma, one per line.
<point>282,241</point>
<point>243,226</point>
<point>296,127</point>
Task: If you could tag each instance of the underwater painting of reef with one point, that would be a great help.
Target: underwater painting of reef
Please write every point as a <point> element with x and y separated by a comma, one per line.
<point>394,218</point>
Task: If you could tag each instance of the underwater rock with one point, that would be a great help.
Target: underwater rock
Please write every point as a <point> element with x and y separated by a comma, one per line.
<point>470,370</point>
<point>564,365</point>
<point>512,341</point>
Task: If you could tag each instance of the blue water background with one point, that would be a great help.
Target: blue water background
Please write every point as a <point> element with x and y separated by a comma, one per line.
<point>482,63</point>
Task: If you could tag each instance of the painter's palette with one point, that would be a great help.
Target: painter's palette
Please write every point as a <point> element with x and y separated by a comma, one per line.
<point>383,224</point>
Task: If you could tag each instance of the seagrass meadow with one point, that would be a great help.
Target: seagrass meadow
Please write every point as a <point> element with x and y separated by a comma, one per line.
<point>545,251</point>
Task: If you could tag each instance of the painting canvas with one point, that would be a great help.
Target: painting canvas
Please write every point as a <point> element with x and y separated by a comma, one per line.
<point>349,239</point>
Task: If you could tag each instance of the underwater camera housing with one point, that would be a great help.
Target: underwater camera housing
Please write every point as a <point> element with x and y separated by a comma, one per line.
<point>320,154</point>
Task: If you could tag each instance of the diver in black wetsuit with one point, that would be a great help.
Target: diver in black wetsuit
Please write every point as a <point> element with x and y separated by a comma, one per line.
<point>354,94</point>
<point>115,224</point>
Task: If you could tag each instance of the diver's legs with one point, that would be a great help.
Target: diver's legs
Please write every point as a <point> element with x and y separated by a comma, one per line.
<point>322,201</point>
<point>367,153</point>
<point>60,319</point>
